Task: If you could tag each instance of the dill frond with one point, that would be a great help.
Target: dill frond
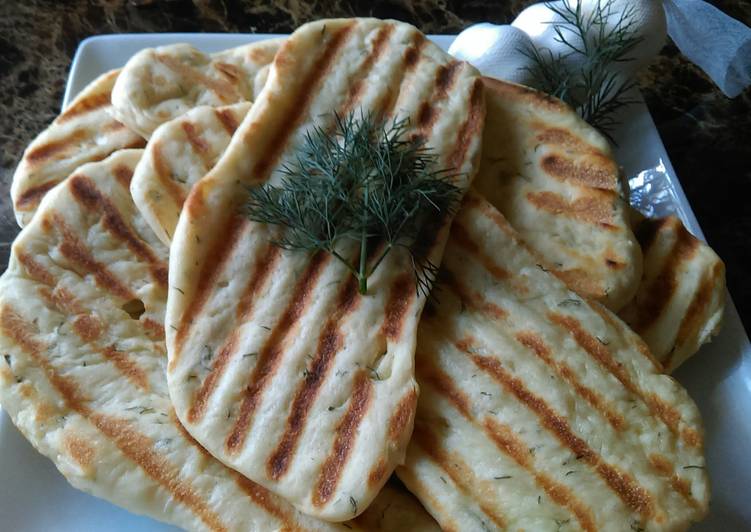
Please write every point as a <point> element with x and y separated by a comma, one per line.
<point>365,182</point>
<point>602,38</point>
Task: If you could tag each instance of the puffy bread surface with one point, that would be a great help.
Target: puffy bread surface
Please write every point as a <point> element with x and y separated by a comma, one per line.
<point>681,299</point>
<point>553,177</point>
<point>278,365</point>
<point>159,84</point>
<point>83,374</point>
<point>178,154</point>
<point>84,132</point>
<point>540,410</point>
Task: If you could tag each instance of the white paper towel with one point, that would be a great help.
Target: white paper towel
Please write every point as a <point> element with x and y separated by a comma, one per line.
<point>717,43</point>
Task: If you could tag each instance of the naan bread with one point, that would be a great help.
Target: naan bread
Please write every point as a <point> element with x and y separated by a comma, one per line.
<point>83,371</point>
<point>84,375</point>
<point>681,298</point>
<point>159,84</point>
<point>553,177</point>
<point>277,365</point>
<point>540,410</point>
<point>84,132</point>
<point>179,153</point>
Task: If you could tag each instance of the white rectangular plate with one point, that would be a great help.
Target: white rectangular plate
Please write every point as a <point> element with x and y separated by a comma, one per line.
<point>35,497</point>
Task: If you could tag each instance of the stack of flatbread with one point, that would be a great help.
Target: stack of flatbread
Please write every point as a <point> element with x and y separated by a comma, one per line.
<point>168,356</point>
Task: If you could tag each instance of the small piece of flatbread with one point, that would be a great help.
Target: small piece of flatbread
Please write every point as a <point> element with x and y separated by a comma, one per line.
<point>278,365</point>
<point>159,84</point>
<point>179,153</point>
<point>84,132</point>
<point>540,410</point>
<point>681,299</point>
<point>553,177</point>
<point>83,368</point>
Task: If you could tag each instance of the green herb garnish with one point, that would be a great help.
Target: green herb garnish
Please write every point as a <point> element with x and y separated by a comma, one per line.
<point>365,183</point>
<point>595,90</point>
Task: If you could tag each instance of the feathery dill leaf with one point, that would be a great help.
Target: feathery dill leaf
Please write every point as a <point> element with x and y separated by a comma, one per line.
<point>365,182</point>
<point>603,38</point>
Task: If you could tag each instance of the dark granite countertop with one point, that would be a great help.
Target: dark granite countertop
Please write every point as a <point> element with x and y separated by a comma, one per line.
<point>707,136</point>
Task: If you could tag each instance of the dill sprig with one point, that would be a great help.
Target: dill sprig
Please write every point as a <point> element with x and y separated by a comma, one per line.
<point>602,38</point>
<point>366,183</point>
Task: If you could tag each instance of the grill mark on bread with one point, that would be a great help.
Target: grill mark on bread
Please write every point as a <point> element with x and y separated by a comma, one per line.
<point>445,77</point>
<point>225,91</point>
<point>76,252</point>
<point>696,309</point>
<point>85,106</point>
<point>265,261</point>
<point>212,267</point>
<point>403,416</point>
<point>623,485</point>
<point>459,473</point>
<point>600,353</point>
<point>405,68</point>
<point>35,270</point>
<point>200,146</point>
<point>153,328</point>
<point>269,356</point>
<point>597,173</point>
<point>507,442</point>
<point>377,473</point>
<point>84,191</point>
<point>504,439</point>
<point>470,126</point>
<point>46,151</point>
<point>229,71</point>
<point>264,499</point>
<point>344,441</point>
<point>87,327</point>
<point>472,298</point>
<point>380,43</point>
<point>535,344</point>
<point>680,485</point>
<point>663,286</point>
<point>227,120</point>
<point>164,175</point>
<point>308,86</point>
<point>329,343</point>
<point>593,209</point>
<point>133,444</point>
<point>92,102</point>
<point>127,367</point>
<point>123,175</point>
<point>460,236</point>
<point>400,298</point>
<point>32,196</point>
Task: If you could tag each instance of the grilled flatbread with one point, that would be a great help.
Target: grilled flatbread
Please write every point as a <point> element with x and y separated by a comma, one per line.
<point>84,132</point>
<point>681,298</point>
<point>83,372</point>
<point>277,365</point>
<point>159,84</point>
<point>179,153</point>
<point>553,177</point>
<point>538,409</point>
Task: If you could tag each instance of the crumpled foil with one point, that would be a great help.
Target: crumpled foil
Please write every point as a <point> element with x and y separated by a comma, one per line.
<point>652,193</point>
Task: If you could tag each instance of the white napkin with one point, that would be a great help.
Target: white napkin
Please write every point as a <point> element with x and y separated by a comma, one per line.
<point>717,43</point>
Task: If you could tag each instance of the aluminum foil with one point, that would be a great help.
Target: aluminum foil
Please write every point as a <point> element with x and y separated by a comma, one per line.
<point>652,192</point>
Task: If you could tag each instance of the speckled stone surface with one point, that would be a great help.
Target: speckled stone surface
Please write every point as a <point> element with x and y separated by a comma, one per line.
<point>708,136</point>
